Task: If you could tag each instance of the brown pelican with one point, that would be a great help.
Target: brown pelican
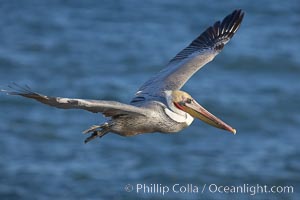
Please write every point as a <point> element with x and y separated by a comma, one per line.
<point>159,105</point>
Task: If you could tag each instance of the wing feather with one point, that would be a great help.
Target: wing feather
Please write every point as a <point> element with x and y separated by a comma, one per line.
<point>108,108</point>
<point>188,61</point>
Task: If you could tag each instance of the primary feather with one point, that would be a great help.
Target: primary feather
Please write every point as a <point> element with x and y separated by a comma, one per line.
<point>188,61</point>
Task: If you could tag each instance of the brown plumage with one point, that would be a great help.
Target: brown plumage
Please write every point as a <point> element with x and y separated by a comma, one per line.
<point>159,105</point>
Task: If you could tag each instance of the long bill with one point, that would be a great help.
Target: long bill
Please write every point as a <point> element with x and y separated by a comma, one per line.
<point>197,111</point>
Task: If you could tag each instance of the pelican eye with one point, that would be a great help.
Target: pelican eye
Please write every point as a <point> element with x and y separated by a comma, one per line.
<point>189,100</point>
<point>181,103</point>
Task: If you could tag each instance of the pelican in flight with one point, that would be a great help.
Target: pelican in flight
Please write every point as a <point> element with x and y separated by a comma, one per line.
<point>159,105</point>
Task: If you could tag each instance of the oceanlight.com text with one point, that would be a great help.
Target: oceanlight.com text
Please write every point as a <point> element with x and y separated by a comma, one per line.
<point>248,189</point>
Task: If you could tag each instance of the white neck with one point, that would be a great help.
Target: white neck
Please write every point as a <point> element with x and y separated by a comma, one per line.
<point>176,114</point>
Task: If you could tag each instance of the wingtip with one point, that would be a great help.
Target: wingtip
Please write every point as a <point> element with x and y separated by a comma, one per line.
<point>16,89</point>
<point>231,22</point>
<point>237,12</point>
<point>225,29</point>
<point>214,37</point>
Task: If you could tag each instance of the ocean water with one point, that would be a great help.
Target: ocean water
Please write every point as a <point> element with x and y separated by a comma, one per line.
<point>106,50</point>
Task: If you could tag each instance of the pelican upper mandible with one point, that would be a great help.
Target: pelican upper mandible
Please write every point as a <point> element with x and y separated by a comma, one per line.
<point>159,105</point>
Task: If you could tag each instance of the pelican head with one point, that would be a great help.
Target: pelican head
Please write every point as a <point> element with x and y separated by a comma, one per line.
<point>181,103</point>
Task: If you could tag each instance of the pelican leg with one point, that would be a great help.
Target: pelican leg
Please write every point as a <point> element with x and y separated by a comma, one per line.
<point>94,128</point>
<point>96,134</point>
<point>104,129</point>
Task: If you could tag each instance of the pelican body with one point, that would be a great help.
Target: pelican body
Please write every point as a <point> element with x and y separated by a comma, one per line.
<point>159,105</point>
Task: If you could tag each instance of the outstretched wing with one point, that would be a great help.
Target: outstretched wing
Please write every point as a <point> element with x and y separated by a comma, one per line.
<point>108,108</point>
<point>201,51</point>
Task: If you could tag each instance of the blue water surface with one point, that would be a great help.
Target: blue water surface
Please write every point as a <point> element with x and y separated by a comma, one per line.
<point>106,50</point>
